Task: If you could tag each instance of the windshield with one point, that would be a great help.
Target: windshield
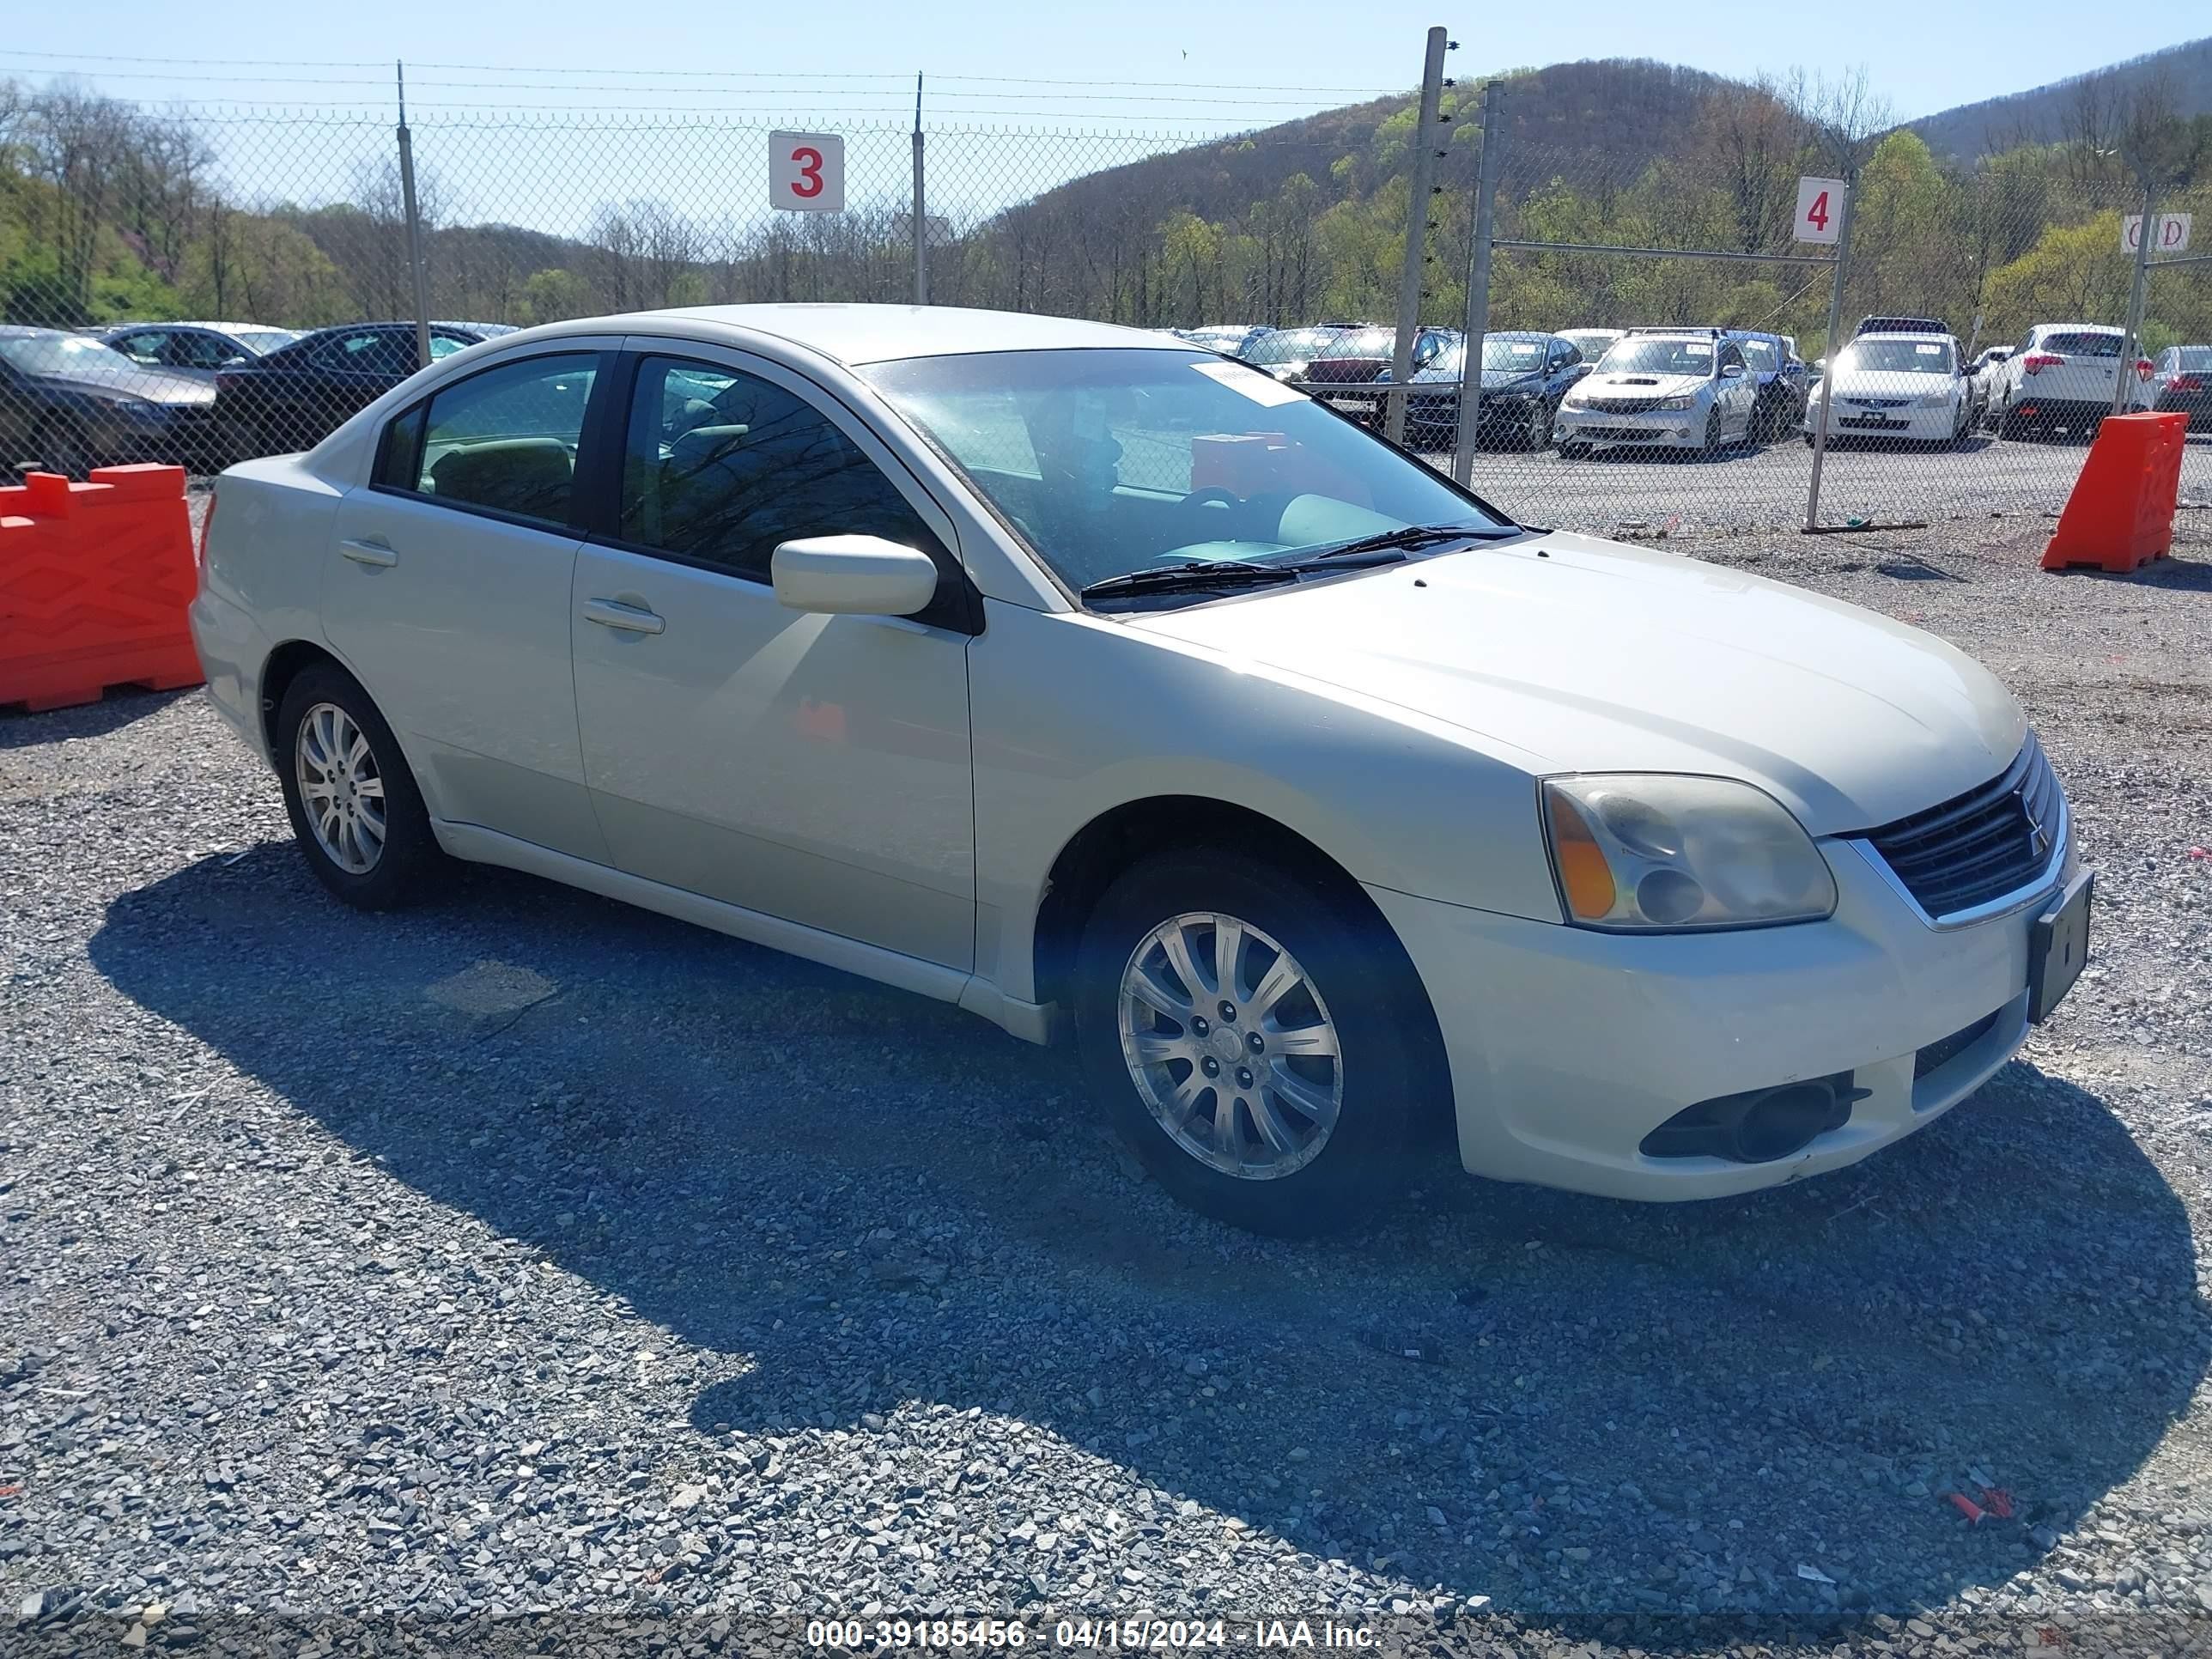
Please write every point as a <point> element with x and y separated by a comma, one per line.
<point>1661,356</point>
<point>1589,341</point>
<point>1513,357</point>
<point>1761,355</point>
<point>1111,461</point>
<point>2194,359</point>
<point>262,341</point>
<point>59,353</point>
<point>1871,354</point>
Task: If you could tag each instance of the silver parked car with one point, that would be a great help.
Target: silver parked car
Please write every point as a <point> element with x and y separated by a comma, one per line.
<point>1112,690</point>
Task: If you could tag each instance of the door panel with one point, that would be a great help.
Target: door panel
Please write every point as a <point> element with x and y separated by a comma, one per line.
<point>457,620</point>
<point>463,642</point>
<point>813,767</point>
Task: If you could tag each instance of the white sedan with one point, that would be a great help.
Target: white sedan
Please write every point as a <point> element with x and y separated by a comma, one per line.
<point>1114,691</point>
<point>1901,388</point>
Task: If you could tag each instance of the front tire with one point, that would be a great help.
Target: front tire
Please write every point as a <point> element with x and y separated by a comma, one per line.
<point>354,807</point>
<point>1247,1032</point>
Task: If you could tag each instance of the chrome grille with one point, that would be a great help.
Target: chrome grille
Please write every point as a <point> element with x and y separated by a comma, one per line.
<point>1983,845</point>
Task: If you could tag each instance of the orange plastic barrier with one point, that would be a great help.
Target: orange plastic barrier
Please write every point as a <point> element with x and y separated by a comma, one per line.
<point>94,578</point>
<point>2120,515</point>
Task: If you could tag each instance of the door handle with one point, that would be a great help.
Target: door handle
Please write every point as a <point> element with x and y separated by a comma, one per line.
<point>630,619</point>
<point>369,552</point>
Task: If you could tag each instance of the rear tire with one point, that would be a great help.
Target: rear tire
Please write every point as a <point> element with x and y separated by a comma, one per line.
<point>365,831</point>
<point>62,448</point>
<point>1315,1139</point>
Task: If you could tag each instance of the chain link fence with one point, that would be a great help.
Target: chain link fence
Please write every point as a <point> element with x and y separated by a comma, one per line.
<point>1653,345</point>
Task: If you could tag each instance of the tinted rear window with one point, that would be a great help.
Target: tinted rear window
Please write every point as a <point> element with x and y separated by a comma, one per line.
<point>2196,358</point>
<point>2083,346</point>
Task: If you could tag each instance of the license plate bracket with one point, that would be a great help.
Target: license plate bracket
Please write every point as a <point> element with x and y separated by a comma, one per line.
<point>2058,947</point>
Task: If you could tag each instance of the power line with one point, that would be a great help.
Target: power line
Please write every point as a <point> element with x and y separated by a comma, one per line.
<point>900,76</point>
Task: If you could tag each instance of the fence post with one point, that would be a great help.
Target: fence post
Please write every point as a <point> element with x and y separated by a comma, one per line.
<point>1477,281</point>
<point>920,218</point>
<point>2131,342</point>
<point>1835,345</point>
<point>420,278</point>
<point>1420,166</point>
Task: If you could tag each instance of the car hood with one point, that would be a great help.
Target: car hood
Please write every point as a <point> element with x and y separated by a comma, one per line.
<point>155,385</point>
<point>1637,383</point>
<point>1590,656</point>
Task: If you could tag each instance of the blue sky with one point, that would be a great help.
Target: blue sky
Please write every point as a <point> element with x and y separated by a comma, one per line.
<point>1923,56</point>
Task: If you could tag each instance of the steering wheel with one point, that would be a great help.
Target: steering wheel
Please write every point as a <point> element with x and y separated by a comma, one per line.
<point>1188,524</point>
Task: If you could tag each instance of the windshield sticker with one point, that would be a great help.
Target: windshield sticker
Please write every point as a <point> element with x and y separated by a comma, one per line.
<point>1260,388</point>
<point>1929,350</point>
<point>1697,349</point>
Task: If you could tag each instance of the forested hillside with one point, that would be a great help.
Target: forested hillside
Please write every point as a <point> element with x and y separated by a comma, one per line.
<point>108,211</point>
<point>2081,108</point>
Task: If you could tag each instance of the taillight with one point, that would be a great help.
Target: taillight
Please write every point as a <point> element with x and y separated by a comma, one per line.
<point>2186,383</point>
<point>2144,367</point>
<point>207,523</point>
<point>2036,361</point>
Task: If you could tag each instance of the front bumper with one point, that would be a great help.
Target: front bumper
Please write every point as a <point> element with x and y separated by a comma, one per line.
<point>1910,424</point>
<point>1673,428</point>
<point>1568,1047</point>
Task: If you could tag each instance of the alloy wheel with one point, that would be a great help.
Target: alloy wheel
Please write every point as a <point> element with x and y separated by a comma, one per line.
<point>340,788</point>
<point>1229,1046</point>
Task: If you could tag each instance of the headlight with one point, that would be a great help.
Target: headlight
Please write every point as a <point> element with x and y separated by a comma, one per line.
<point>1575,400</point>
<point>1688,400</point>
<point>1652,850</point>
<point>1936,400</point>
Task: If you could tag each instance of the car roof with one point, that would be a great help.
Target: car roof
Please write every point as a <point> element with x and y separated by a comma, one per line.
<point>854,334</point>
<point>1924,334</point>
<point>2078,328</point>
<point>25,332</point>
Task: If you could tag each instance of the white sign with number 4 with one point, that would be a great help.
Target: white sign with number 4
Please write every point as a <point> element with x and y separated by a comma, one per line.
<point>1820,209</point>
<point>807,172</point>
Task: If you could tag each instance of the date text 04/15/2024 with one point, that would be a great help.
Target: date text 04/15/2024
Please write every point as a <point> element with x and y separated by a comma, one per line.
<point>1111,1635</point>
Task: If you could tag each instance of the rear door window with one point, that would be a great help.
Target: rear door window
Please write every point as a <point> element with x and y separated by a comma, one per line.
<point>504,440</point>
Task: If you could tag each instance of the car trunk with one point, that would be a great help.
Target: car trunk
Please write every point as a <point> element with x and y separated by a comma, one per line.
<point>2087,369</point>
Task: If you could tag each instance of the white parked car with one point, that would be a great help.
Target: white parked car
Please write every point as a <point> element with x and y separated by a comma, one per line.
<point>1901,388</point>
<point>1112,691</point>
<point>2067,377</point>
<point>1662,389</point>
<point>1592,343</point>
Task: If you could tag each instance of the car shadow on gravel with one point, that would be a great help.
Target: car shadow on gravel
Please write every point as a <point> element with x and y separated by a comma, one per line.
<point>119,709</point>
<point>861,1208</point>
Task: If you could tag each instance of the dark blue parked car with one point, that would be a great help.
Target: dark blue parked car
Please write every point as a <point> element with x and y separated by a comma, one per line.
<point>1524,375</point>
<point>1783,383</point>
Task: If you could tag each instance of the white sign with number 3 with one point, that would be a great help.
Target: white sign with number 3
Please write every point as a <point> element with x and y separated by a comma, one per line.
<point>1820,209</point>
<point>807,172</point>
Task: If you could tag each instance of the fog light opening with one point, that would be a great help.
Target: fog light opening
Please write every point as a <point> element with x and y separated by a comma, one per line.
<point>1759,1126</point>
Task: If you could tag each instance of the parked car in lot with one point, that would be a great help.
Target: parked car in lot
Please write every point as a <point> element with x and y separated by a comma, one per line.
<point>1333,354</point>
<point>1896,388</point>
<point>1230,339</point>
<point>1650,878</point>
<point>1899,325</point>
<point>1592,343</point>
<point>195,349</point>
<point>1984,372</point>
<point>290,399</point>
<point>2181,384</point>
<point>1781,380</point>
<point>1663,389</point>
<point>2067,377</point>
<point>1524,376</point>
<point>69,403</point>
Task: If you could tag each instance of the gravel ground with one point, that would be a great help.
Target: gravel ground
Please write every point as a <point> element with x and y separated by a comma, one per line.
<point>524,1252</point>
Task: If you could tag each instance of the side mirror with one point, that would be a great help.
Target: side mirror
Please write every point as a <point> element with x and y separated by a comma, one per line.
<point>1731,371</point>
<point>853,576</point>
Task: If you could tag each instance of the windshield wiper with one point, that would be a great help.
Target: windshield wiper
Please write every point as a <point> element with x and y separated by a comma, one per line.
<point>1418,535</point>
<point>1194,574</point>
